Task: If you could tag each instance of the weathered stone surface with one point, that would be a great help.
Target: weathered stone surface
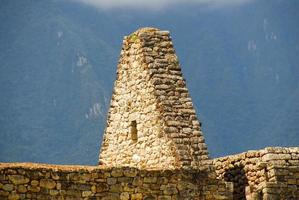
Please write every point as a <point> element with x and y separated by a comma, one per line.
<point>34,183</point>
<point>150,92</point>
<point>18,179</point>
<point>116,188</point>
<point>111,181</point>
<point>269,170</point>
<point>86,193</point>
<point>54,192</point>
<point>170,190</point>
<point>22,189</point>
<point>14,196</point>
<point>34,189</point>
<point>102,187</point>
<point>93,189</point>
<point>8,187</point>
<point>4,193</point>
<point>150,179</point>
<point>164,197</point>
<point>47,183</point>
<point>117,173</point>
<point>73,193</point>
<point>124,196</point>
<point>130,172</point>
<point>137,196</point>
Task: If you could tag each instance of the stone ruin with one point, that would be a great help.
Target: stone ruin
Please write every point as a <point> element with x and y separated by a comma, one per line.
<point>151,122</point>
<point>153,147</point>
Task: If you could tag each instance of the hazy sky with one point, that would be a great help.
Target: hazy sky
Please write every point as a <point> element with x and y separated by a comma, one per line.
<point>160,4</point>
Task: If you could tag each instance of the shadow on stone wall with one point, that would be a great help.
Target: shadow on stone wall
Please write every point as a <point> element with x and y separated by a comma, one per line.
<point>237,176</point>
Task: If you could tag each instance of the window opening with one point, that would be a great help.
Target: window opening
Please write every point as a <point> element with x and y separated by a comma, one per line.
<point>134,131</point>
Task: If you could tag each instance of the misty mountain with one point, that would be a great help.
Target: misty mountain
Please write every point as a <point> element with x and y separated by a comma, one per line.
<point>58,63</point>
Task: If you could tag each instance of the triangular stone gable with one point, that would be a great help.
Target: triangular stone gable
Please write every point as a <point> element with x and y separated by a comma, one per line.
<point>151,121</point>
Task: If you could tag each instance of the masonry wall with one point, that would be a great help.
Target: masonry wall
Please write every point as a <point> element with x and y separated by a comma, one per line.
<point>268,174</point>
<point>36,181</point>
<point>150,92</point>
<point>271,173</point>
<point>133,100</point>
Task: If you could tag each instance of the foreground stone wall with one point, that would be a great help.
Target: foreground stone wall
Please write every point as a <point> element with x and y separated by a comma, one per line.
<point>271,173</point>
<point>36,181</point>
<point>151,121</point>
<point>268,174</point>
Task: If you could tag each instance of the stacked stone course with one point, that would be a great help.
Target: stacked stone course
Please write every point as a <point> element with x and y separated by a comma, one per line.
<point>153,147</point>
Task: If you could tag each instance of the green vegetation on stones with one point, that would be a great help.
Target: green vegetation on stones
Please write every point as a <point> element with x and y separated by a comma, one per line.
<point>133,37</point>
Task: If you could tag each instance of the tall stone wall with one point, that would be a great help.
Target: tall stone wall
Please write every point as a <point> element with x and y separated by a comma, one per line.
<point>151,121</point>
<point>271,173</point>
<point>36,181</point>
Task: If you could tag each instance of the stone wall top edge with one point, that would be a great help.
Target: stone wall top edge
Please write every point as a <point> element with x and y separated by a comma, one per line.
<point>266,150</point>
<point>29,165</point>
<point>89,169</point>
<point>147,32</point>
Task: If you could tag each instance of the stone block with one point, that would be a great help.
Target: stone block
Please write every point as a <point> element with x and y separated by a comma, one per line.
<point>73,193</point>
<point>34,189</point>
<point>124,196</point>
<point>86,193</point>
<point>22,189</point>
<point>53,192</point>
<point>170,190</point>
<point>102,187</point>
<point>137,196</point>
<point>111,181</point>
<point>4,193</point>
<point>8,187</point>
<point>111,196</point>
<point>130,172</point>
<point>18,179</point>
<point>115,188</point>
<point>117,172</point>
<point>47,183</point>
<point>150,179</point>
<point>34,183</point>
<point>164,197</point>
<point>13,196</point>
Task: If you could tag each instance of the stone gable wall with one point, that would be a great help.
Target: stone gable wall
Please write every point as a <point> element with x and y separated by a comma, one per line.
<point>133,100</point>
<point>36,181</point>
<point>150,90</point>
